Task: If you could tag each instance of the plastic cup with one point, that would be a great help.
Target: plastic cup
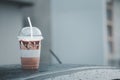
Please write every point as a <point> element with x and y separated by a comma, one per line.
<point>30,48</point>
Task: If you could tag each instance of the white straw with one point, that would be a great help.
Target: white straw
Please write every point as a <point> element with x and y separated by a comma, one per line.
<point>31,30</point>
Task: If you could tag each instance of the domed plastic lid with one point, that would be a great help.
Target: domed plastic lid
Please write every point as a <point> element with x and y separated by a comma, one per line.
<point>26,34</point>
<point>26,31</point>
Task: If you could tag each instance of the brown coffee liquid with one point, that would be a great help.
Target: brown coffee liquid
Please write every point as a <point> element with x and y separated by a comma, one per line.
<point>30,63</point>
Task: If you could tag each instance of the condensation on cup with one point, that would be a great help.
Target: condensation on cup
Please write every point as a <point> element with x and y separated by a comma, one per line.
<point>30,47</point>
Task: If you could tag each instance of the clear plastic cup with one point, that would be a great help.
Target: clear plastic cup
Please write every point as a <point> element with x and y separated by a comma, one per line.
<point>30,47</point>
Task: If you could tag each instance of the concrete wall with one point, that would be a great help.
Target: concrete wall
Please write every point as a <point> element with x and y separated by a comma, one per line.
<point>10,25</point>
<point>77,31</point>
<point>116,26</point>
<point>73,29</point>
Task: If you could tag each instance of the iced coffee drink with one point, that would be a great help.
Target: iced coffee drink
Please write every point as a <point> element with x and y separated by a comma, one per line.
<point>30,47</point>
